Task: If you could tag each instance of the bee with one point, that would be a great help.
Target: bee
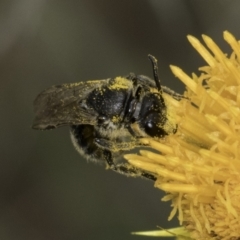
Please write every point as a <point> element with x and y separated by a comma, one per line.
<point>108,117</point>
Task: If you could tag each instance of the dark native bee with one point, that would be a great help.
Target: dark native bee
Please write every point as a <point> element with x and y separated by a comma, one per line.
<point>108,117</point>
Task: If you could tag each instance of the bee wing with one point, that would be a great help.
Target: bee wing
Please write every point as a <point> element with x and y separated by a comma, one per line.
<point>59,105</point>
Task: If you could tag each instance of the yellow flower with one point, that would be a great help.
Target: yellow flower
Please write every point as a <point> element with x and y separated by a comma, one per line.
<point>199,166</point>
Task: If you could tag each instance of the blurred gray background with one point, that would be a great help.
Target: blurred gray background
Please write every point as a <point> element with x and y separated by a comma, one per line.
<point>47,191</point>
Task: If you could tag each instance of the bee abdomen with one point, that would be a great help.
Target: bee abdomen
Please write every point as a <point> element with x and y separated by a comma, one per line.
<point>83,139</point>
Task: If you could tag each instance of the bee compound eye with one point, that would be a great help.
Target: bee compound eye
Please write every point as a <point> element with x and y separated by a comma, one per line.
<point>150,128</point>
<point>154,124</point>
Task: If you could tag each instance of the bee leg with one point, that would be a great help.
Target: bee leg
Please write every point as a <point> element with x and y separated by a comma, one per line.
<point>84,138</point>
<point>127,169</point>
<point>116,146</point>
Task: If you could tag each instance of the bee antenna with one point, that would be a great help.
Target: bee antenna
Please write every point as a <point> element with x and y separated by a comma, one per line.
<point>155,72</point>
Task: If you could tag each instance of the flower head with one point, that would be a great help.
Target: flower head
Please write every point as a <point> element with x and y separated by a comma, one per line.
<point>199,166</point>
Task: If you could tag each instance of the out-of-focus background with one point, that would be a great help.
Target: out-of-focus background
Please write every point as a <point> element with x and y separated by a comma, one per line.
<point>47,191</point>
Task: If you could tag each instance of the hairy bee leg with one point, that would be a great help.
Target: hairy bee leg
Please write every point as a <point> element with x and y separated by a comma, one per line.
<point>127,169</point>
<point>122,168</point>
<point>116,146</point>
<point>83,139</point>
